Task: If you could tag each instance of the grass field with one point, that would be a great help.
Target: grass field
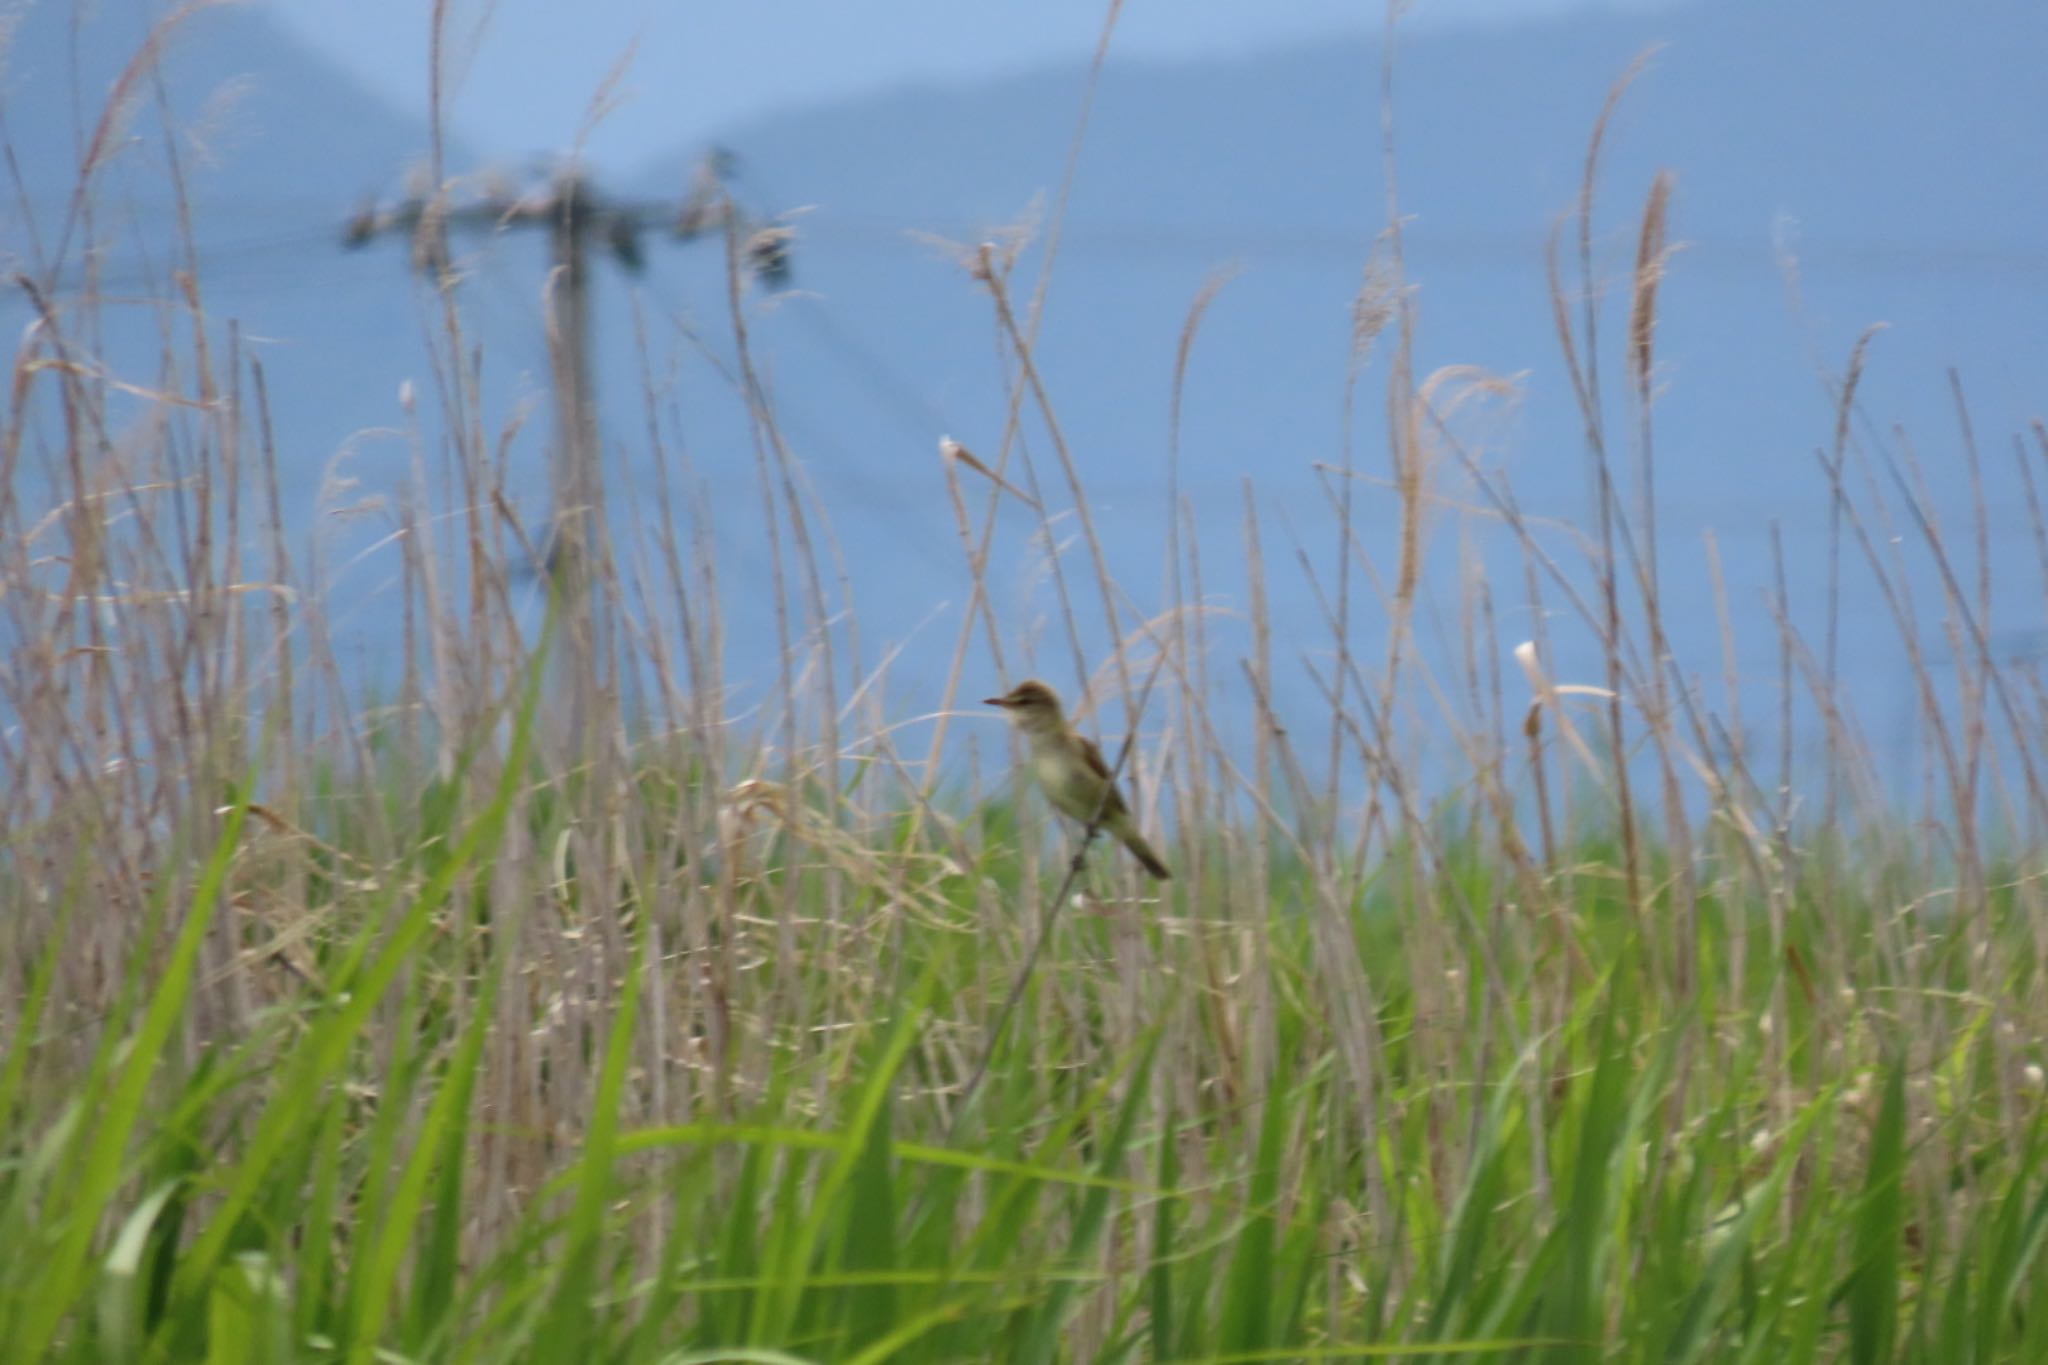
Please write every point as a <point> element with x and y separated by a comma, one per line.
<point>481,1025</point>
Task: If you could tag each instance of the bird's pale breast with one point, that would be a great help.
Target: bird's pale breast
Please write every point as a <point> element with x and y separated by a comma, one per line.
<point>1069,784</point>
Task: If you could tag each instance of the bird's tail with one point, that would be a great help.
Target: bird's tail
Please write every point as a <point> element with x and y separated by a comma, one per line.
<point>1143,852</point>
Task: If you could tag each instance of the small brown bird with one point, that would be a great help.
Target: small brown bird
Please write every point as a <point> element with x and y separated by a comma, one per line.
<point>1070,768</point>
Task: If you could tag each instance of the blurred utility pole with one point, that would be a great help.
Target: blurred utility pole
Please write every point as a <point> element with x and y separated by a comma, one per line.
<point>575,216</point>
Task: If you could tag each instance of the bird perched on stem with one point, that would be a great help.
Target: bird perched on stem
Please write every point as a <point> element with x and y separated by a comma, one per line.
<point>1069,767</point>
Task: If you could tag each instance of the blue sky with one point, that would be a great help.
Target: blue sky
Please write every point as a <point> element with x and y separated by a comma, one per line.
<point>526,71</point>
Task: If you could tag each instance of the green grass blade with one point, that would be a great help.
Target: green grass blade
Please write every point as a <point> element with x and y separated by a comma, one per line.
<point>1249,1287</point>
<point>868,1240</point>
<point>1160,1273</point>
<point>437,1150</point>
<point>1873,1291</point>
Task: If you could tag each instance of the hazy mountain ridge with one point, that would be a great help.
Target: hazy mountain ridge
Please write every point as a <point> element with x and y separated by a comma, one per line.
<point>259,116</point>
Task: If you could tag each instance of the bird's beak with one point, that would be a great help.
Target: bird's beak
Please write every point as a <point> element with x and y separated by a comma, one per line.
<point>995,701</point>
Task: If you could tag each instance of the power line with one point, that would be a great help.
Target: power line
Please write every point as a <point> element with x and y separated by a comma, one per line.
<point>234,257</point>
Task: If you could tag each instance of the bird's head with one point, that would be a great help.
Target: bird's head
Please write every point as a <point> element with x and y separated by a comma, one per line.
<point>1032,705</point>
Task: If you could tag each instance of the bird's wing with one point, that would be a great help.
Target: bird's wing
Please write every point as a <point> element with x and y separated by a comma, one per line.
<point>1092,753</point>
